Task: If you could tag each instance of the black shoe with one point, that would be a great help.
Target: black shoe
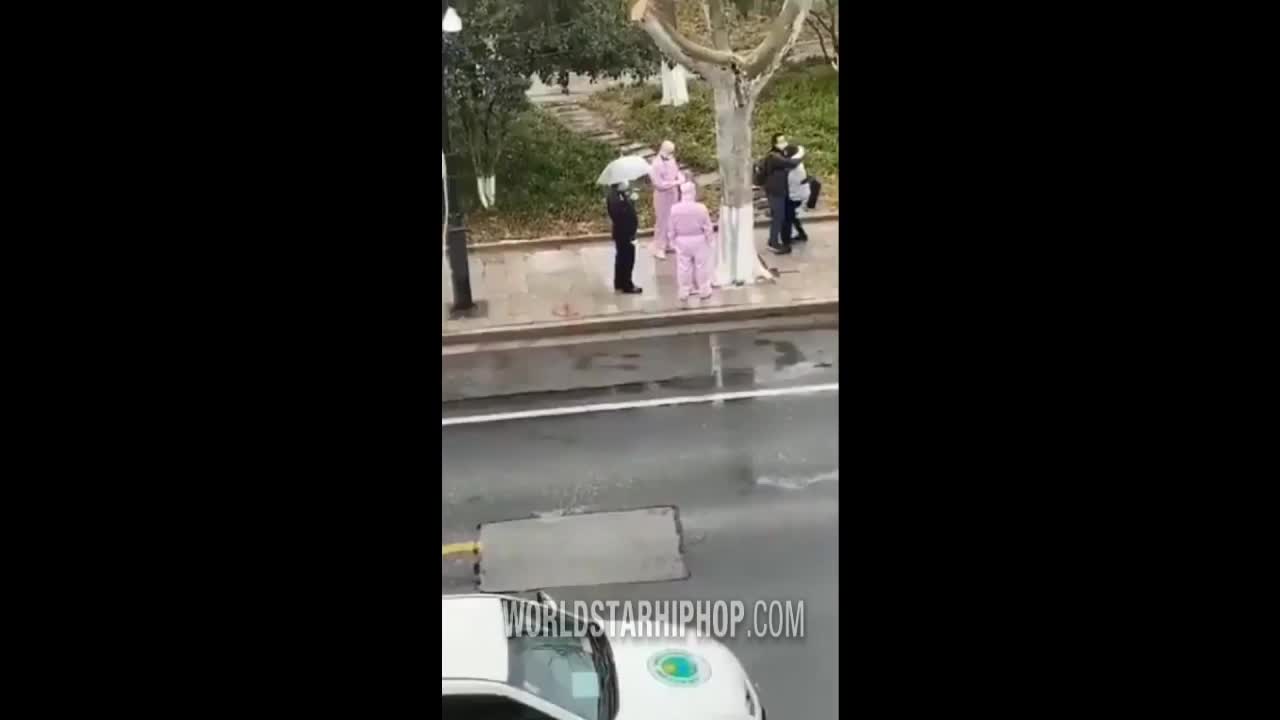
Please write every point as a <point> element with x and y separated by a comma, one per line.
<point>779,249</point>
<point>800,238</point>
<point>630,291</point>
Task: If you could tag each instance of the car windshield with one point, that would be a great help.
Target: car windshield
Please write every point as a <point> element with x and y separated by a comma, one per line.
<point>569,671</point>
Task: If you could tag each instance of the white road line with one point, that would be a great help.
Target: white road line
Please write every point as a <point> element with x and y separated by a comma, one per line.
<point>717,368</point>
<point>634,404</point>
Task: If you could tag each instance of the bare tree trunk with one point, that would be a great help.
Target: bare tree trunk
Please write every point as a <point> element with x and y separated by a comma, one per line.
<point>444,188</point>
<point>486,186</point>
<point>675,89</point>
<point>835,33</point>
<point>826,25</point>
<point>675,85</point>
<point>737,260</point>
<point>736,81</point>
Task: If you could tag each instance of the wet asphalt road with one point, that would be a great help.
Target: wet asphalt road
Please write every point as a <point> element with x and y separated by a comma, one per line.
<point>627,369</point>
<point>756,483</point>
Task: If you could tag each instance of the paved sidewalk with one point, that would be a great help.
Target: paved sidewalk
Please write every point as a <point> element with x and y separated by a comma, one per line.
<point>545,290</point>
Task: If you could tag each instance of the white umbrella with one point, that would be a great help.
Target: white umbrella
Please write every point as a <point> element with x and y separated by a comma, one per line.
<point>624,169</point>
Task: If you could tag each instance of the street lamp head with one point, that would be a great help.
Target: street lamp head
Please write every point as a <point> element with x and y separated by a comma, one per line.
<point>451,22</point>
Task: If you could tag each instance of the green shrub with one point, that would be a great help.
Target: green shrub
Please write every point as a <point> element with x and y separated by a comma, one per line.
<point>546,180</point>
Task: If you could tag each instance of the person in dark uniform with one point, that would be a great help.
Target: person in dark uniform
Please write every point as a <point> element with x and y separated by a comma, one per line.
<point>622,211</point>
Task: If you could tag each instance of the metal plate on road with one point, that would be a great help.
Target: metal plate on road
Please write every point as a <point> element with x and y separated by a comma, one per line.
<point>576,550</point>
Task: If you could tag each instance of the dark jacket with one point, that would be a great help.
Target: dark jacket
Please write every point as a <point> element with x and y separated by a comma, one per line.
<point>776,167</point>
<point>623,214</point>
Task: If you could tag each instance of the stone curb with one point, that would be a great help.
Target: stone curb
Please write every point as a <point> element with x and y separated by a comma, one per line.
<point>638,321</point>
<point>558,240</point>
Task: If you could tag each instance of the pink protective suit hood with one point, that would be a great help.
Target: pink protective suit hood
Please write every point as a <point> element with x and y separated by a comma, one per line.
<point>688,192</point>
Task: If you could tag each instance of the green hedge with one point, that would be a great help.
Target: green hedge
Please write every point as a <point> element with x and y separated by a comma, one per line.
<point>545,182</point>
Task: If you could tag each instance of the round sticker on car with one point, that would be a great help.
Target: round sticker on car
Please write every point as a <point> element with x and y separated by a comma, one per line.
<point>679,668</point>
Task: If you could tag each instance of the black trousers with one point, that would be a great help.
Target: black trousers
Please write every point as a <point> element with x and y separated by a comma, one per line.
<point>624,262</point>
<point>779,225</point>
<point>793,220</point>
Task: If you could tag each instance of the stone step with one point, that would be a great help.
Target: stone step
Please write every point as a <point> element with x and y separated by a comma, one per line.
<point>634,146</point>
<point>585,125</point>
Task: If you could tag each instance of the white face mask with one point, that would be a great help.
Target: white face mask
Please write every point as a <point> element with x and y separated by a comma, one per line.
<point>782,144</point>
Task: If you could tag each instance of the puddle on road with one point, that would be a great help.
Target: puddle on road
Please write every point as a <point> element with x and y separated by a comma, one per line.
<point>799,483</point>
<point>788,353</point>
<point>696,384</point>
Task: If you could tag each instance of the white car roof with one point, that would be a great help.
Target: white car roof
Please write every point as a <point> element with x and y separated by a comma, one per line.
<point>475,642</point>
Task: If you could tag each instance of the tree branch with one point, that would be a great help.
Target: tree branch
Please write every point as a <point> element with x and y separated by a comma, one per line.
<point>488,118</point>
<point>782,35</point>
<point>835,29</point>
<point>684,51</point>
<point>821,43</point>
<point>714,10</point>
<point>821,21</point>
<point>666,12</point>
<point>830,23</point>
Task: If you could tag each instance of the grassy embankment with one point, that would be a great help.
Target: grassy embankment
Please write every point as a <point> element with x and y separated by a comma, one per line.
<point>546,180</point>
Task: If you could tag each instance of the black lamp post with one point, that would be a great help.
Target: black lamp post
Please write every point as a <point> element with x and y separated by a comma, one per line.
<point>456,235</point>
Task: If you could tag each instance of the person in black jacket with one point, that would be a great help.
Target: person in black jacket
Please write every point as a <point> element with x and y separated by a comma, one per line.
<point>776,166</point>
<point>622,211</point>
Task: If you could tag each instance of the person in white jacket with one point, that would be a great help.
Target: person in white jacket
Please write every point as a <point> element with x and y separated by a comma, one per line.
<point>798,194</point>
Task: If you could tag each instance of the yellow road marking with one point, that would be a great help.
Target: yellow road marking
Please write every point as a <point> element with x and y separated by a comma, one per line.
<point>456,548</point>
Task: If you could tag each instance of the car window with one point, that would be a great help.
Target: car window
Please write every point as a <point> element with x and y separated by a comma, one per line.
<point>559,669</point>
<point>486,707</point>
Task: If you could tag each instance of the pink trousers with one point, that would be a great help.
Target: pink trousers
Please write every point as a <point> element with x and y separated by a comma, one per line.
<point>663,200</point>
<point>693,265</point>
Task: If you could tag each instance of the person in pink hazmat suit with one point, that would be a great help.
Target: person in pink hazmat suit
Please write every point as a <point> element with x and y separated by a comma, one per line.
<point>666,176</point>
<point>691,233</point>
